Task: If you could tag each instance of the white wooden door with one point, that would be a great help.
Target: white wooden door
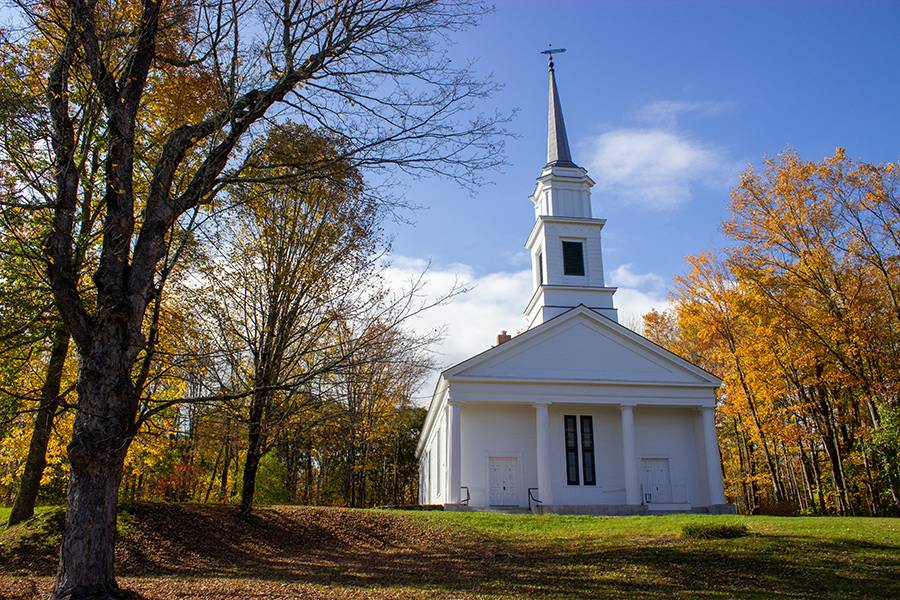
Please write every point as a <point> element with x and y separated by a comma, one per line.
<point>655,480</point>
<point>503,480</point>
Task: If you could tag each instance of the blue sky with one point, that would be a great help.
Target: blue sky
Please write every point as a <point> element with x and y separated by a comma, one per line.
<point>753,78</point>
<point>665,104</point>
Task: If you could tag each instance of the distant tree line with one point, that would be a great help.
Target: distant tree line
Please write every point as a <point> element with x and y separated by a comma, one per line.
<point>800,315</point>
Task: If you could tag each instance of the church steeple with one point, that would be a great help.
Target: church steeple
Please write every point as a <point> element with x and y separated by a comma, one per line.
<point>558,153</point>
<point>565,244</point>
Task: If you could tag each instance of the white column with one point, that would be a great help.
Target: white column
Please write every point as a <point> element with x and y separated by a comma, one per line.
<point>454,453</point>
<point>713,463</point>
<point>544,472</point>
<point>632,490</point>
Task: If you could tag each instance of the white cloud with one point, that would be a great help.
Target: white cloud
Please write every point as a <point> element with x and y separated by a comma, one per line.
<point>633,304</point>
<point>655,167</point>
<point>638,294</point>
<point>624,276</point>
<point>657,164</point>
<point>666,113</point>
<point>496,301</point>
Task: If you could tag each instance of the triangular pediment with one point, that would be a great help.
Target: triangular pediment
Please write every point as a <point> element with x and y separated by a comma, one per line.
<point>582,345</point>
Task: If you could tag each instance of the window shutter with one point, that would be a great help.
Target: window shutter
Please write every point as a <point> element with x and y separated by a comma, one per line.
<point>571,450</point>
<point>587,450</point>
<point>573,258</point>
<point>540,266</point>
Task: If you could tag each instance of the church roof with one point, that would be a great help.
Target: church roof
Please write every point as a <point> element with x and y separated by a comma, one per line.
<point>558,153</point>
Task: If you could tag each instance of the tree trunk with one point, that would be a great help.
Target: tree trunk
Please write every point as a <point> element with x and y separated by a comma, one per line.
<point>23,507</point>
<point>869,481</point>
<point>777,486</point>
<point>820,489</point>
<point>751,472</point>
<point>363,477</point>
<point>212,478</point>
<point>101,435</point>
<point>223,484</point>
<point>309,467</point>
<point>792,477</point>
<point>830,439</point>
<point>394,484</point>
<point>248,485</point>
<point>742,467</point>
<point>255,443</point>
<point>808,476</point>
<point>234,476</point>
<point>837,473</point>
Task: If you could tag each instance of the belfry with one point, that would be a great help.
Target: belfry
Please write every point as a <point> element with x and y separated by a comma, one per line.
<point>565,242</point>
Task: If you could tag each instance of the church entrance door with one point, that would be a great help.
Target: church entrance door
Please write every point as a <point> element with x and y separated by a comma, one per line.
<point>503,480</point>
<point>655,480</point>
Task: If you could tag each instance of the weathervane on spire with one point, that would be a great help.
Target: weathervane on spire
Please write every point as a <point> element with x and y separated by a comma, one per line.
<point>550,52</point>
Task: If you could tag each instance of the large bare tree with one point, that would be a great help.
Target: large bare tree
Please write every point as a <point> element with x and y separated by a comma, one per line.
<point>367,71</point>
<point>294,287</point>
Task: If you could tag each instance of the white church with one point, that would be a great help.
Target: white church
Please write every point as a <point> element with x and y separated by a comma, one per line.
<point>577,414</point>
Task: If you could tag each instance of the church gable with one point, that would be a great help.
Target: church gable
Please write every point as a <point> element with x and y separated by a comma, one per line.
<point>582,345</point>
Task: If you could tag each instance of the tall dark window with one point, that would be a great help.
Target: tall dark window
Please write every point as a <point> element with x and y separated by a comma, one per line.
<point>540,266</point>
<point>587,450</point>
<point>571,449</point>
<point>573,258</point>
<point>587,475</point>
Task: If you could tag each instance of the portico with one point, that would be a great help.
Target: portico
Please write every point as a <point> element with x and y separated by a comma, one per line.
<point>623,456</point>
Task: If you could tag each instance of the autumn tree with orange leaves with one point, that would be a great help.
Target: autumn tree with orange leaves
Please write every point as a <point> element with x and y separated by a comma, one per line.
<point>801,318</point>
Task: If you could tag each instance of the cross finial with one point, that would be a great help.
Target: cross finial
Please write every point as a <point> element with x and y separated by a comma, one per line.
<point>550,52</point>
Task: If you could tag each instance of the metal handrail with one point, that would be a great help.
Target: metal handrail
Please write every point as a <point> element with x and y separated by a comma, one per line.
<point>531,498</point>
<point>468,497</point>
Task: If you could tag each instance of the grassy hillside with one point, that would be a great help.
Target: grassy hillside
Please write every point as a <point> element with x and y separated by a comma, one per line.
<point>206,551</point>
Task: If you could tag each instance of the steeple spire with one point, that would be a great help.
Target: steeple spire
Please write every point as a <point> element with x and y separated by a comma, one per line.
<point>558,153</point>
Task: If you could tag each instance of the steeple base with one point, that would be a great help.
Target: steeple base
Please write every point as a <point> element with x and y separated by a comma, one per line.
<point>549,301</point>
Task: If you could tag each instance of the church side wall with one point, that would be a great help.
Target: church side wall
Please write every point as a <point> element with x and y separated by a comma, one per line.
<point>499,431</point>
<point>433,464</point>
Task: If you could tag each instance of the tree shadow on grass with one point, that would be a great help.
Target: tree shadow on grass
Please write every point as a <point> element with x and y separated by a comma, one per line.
<point>369,550</point>
<point>365,550</point>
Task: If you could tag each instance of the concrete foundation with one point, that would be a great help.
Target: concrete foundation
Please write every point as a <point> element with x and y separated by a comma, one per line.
<point>622,510</point>
<point>598,510</point>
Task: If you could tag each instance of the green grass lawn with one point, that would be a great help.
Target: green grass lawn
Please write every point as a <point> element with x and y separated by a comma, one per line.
<point>5,510</point>
<point>803,557</point>
<point>550,528</point>
<point>190,551</point>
